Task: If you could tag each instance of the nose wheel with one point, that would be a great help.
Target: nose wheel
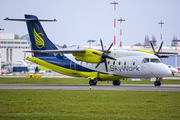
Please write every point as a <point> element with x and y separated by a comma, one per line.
<point>158,82</point>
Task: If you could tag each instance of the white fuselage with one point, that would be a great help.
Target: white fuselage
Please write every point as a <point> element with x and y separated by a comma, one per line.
<point>130,64</point>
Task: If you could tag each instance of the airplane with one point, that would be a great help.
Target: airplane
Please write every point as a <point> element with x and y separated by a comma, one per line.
<point>173,70</point>
<point>95,65</point>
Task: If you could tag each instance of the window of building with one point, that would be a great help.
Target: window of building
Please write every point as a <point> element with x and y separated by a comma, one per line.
<point>23,42</point>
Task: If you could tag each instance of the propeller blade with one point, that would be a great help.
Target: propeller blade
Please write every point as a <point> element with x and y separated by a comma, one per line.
<point>99,63</point>
<point>160,46</point>
<point>163,56</point>
<point>109,48</point>
<point>111,58</point>
<point>152,46</point>
<point>104,56</point>
<point>102,45</point>
<point>158,55</point>
<point>106,66</point>
<point>167,53</point>
<point>97,53</point>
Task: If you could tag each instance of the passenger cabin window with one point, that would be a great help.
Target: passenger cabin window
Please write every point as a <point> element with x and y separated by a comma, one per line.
<point>155,60</point>
<point>119,63</point>
<point>124,63</point>
<point>145,60</point>
<point>114,63</point>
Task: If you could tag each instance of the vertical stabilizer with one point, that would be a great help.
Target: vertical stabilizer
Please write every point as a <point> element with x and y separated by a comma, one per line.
<point>38,37</point>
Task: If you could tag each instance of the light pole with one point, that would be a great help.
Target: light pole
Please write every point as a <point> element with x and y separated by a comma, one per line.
<point>161,23</point>
<point>121,30</point>
<point>90,41</point>
<point>114,22</point>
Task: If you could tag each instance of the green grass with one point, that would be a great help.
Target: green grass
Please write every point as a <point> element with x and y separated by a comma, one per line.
<point>67,81</point>
<point>88,105</point>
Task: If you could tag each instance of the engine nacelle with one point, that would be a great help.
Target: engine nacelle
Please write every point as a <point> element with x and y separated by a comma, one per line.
<point>88,56</point>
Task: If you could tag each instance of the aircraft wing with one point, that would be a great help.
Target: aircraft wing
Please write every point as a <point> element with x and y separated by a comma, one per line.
<point>64,51</point>
<point>58,51</point>
<point>86,55</point>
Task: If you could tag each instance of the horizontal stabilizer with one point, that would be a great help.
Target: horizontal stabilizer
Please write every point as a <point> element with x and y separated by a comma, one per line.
<point>24,20</point>
<point>44,68</point>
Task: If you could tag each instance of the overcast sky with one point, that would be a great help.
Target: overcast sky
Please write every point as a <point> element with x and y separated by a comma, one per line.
<point>82,20</point>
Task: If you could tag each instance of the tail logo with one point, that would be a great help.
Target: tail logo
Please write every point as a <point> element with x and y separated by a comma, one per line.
<point>38,39</point>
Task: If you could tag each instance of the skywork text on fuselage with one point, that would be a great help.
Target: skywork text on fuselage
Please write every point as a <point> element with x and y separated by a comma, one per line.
<point>124,68</point>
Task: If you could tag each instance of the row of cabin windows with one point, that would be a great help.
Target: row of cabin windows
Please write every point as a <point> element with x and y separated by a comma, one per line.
<point>119,63</point>
<point>145,60</point>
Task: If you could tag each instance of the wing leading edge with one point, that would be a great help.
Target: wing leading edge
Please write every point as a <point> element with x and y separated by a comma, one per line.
<point>57,51</point>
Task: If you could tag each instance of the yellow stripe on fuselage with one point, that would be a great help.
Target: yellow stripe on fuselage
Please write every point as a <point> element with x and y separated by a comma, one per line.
<point>146,51</point>
<point>70,72</point>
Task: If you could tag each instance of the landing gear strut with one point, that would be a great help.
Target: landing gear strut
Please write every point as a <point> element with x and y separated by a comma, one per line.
<point>158,82</point>
<point>116,82</point>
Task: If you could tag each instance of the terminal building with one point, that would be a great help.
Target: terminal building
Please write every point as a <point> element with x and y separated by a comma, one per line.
<point>12,48</point>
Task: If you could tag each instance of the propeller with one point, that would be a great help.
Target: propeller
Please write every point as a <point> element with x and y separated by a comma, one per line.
<point>104,55</point>
<point>157,53</point>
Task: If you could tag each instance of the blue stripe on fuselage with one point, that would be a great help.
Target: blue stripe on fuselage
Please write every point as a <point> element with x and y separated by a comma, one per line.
<point>64,62</point>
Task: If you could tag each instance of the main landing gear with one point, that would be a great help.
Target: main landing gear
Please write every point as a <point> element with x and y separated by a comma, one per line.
<point>118,82</point>
<point>94,82</point>
<point>158,82</point>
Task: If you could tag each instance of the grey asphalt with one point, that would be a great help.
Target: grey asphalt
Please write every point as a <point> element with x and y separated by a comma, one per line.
<point>64,76</point>
<point>133,87</point>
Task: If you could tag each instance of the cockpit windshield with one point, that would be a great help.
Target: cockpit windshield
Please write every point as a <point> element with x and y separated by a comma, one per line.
<point>145,60</point>
<point>154,60</point>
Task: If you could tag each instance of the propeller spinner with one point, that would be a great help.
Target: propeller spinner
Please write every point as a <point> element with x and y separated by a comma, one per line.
<point>104,55</point>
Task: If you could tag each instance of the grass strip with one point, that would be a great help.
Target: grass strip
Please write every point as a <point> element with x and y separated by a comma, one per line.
<point>67,81</point>
<point>88,104</point>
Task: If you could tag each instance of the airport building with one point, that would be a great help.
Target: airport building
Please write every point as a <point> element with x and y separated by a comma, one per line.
<point>12,48</point>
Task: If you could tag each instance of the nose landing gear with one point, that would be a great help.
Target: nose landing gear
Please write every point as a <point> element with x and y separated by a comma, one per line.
<point>158,82</point>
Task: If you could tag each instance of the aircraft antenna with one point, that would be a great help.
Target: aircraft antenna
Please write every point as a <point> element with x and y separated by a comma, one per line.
<point>114,22</point>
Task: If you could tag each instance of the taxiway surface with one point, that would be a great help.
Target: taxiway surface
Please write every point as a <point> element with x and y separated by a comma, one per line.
<point>133,87</point>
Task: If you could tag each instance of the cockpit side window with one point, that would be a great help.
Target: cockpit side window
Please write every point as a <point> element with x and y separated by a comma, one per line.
<point>145,60</point>
<point>155,60</point>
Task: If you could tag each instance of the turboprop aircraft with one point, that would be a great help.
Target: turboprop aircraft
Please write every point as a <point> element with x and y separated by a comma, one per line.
<point>95,65</point>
